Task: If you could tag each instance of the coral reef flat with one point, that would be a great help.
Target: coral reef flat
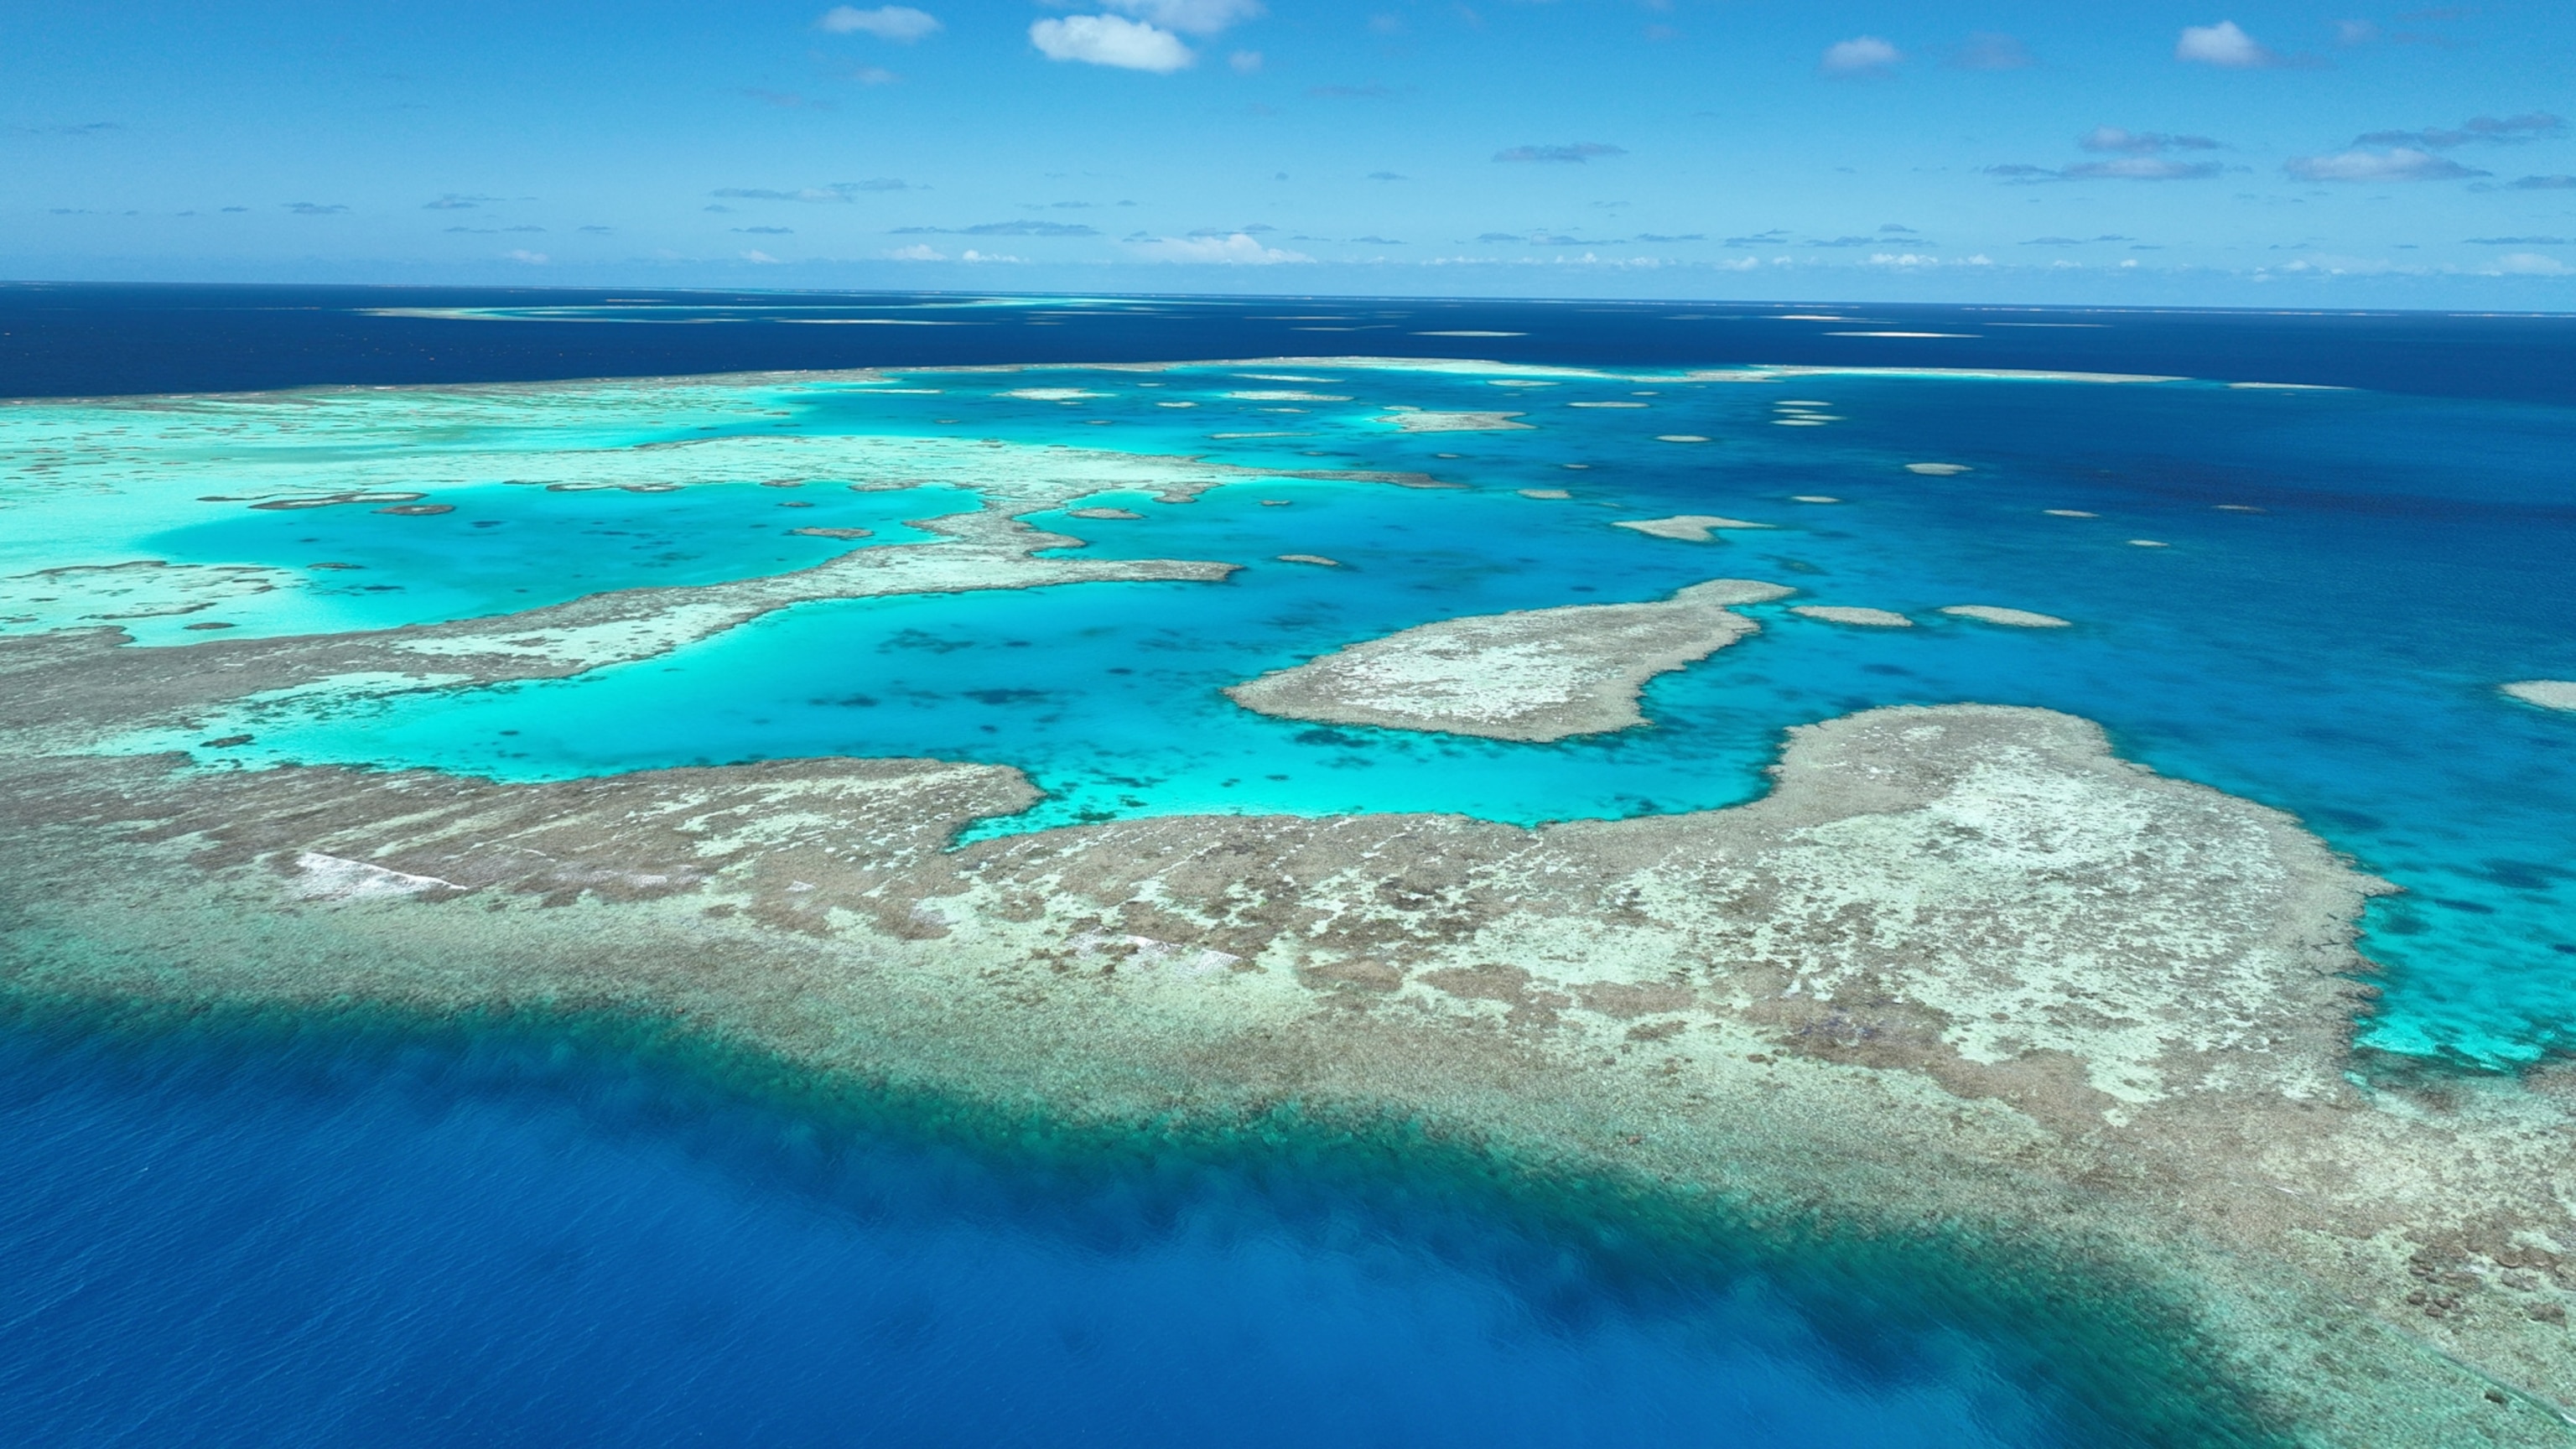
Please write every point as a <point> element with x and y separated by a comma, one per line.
<point>1788,930</point>
<point>1536,674</point>
<point>1961,962</point>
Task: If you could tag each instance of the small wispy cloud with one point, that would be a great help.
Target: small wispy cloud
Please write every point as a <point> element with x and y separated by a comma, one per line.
<point>2519,241</point>
<point>1385,176</point>
<point>766,230</point>
<point>1113,41</point>
<point>76,128</point>
<point>1002,228</point>
<point>528,258</point>
<point>838,191</point>
<point>1991,50</point>
<point>1244,62</point>
<point>1577,152</point>
<point>1858,56</point>
<point>2543,183</point>
<point>1370,92</point>
<point>899,23</point>
<point>1189,17</point>
<point>314,208</point>
<point>454,201</point>
<point>2225,45</point>
<point>2405,163</point>
<point>2140,143</point>
<point>2529,264</point>
<point>1238,250</point>
<point>2488,130</point>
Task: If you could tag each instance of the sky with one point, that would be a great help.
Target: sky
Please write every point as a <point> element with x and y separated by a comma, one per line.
<point>2099,153</point>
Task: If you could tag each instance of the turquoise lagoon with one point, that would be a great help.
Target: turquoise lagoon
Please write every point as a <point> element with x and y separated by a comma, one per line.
<point>2305,596</point>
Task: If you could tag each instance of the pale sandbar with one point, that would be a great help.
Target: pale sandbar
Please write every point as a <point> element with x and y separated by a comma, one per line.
<point>1687,527</point>
<point>1530,675</point>
<point>1545,493</point>
<point>1103,513</point>
<point>2016,618</point>
<point>2547,693</point>
<point>1845,614</point>
<point>1455,422</point>
<point>1310,558</point>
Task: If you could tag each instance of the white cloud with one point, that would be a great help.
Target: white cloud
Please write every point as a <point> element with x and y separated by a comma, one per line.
<point>1912,260</point>
<point>2403,164</point>
<point>2531,264</point>
<point>2224,45</point>
<point>972,255</point>
<point>1239,249</point>
<point>1860,55</point>
<point>917,252</point>
<point>886,22</point>
<point>760,258</point>
<point>1108,40</point>
<point>1190,17</point>
<point>538,259</point>
<point>2141,168</point>
<point>1245,61</point>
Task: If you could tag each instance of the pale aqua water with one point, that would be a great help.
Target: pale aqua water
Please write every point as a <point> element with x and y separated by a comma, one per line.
<point>2335,653</point>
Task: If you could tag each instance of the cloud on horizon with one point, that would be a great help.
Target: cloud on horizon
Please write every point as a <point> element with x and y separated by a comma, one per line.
<point>1002,228</point>
<point>1578,152</point>
<point>2140,143</point>
<point>2402,164</point>
<point>1237,250</point>
<point>2510,130</point>
<point>838,191</point>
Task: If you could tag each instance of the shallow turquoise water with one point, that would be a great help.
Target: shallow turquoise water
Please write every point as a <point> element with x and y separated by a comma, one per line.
<point>2346,577</point>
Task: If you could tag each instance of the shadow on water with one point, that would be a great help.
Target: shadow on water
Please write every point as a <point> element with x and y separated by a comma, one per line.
<point>317,1228</point>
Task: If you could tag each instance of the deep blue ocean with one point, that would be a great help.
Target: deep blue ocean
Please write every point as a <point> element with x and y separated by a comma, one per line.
<point>349,1233</point>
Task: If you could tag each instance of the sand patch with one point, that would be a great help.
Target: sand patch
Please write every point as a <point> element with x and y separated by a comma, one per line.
<point>1545,493</point>
<point>1687,527</point>
<point>2547,693</point>
<point>1431,422</point>
<point>1532,675</point>
<point>1103,513</point>
<point>1844,614</point>
<point>2014,618</point>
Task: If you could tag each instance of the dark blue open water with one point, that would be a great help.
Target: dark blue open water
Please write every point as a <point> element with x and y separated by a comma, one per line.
<point>339,1238</point>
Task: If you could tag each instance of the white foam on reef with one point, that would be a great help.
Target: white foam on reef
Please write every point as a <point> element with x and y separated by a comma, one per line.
<point>320,877</point>
<point>2547,693</point>
<point>2016,618</point>
<point>2288,387</point>
<point>1054,394</point>
<point>1937,470</point>
<point>1680,438</point>
<point>1316,559</point>
<point>1845,614</point>
<point>2148,543</point>
<point>1686,527</point>
<point>1608,405</point>
<point>1284,395</point>
<point>1545,493</point>
<point>2068,513</point>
